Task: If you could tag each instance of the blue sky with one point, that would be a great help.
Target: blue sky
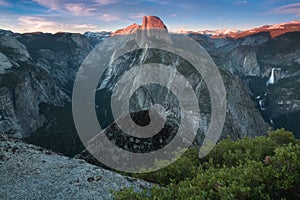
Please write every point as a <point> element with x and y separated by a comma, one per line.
<point>97,15</point>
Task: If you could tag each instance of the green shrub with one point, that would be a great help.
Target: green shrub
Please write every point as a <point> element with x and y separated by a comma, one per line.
<point>184,168</point>
<point>282,137</point>
<point>233,170</point>
<point>231,153</point>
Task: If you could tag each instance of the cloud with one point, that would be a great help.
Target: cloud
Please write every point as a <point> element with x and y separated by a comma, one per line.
<point>288,9</point>
<point>241,2</point>
<point>158,2</point>
<point>37,22</point>
<point>51,4</point>
<point>137,15</point>
<point>179,29</point>
<point>173,15</point>
<point>4,3</point>
<point>105,2</point>
<point>85,26</point>
<point>33,24</point>
<point>109,18</point>
<point>79,9</point>
<point>6,22</point>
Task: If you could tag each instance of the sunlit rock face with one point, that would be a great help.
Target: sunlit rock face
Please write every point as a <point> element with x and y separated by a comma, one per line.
<point>128,30</point>
<point>152,22</point>
<point>149,22</point>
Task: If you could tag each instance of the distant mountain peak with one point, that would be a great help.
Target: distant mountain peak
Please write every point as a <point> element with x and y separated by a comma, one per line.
<point>274,30</point>
<point>214,33</point>
<point>148,22</point>
<point>128,30</point>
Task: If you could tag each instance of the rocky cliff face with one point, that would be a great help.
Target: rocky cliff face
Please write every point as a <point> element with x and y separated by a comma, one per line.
<point>37,74</point>
<point>152,22</point>
<point>148,23</point>
<point>253,58</point>
<point>97,37</point>
<point>37,71</point>
<point>243,119</point>
<point>128,30</point>
<point>31,172</point>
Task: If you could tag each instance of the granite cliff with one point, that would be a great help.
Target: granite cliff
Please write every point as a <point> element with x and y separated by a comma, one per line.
<point>37,71</point>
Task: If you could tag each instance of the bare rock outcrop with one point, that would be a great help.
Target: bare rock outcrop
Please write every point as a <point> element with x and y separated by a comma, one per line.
<point>148,22</point>
<point>31,172</point>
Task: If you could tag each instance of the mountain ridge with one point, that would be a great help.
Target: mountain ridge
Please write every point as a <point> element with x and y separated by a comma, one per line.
<point>37,73</point>
<point>274,30</point>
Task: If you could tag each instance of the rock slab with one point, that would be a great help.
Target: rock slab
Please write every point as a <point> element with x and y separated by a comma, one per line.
<point>31,172</point>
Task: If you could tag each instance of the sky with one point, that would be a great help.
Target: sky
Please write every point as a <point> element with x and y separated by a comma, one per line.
<point>109,15</point>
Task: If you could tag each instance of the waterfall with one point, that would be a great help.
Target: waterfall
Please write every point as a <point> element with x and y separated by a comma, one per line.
<point>271,80</point>
<point>272,77</point>
<point>245,61</point>
<point>261,104</point>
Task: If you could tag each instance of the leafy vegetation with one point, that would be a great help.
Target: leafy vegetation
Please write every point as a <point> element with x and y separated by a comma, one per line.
<point>265,167</point>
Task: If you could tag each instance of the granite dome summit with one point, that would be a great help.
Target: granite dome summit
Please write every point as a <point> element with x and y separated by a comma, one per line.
<point>148,22</point>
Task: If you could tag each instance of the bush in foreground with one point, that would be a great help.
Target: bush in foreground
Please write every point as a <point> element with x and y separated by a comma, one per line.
<point>258,168</point>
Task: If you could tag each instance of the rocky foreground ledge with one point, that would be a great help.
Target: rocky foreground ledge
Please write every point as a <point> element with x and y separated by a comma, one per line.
<point>31,172</point>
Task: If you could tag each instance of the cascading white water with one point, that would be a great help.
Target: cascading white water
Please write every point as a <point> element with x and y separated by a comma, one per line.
<point>271,80</point>
<point>261,104</point>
